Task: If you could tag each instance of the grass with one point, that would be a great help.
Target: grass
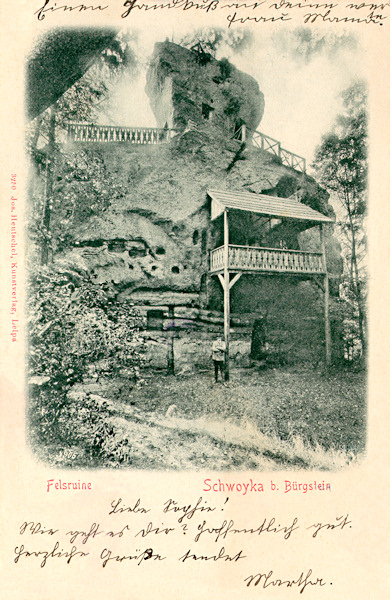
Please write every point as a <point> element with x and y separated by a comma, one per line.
<point>276,419</point>
<point>328,410</point>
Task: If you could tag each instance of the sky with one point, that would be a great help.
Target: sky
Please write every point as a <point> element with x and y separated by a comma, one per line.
<point>301,73</point>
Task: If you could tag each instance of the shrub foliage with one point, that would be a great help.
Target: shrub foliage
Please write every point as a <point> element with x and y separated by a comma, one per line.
<point>76,332</point>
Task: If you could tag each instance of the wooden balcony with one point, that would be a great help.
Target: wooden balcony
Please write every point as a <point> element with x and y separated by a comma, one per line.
<point>266,260</point>
<point>85,132</point>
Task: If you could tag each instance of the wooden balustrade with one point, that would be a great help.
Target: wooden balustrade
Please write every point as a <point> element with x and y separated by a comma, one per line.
<point>293,160</point>
<point>84,132</point>
<point>265,142</point>
<point>269,144</point>
<point>252,258</point>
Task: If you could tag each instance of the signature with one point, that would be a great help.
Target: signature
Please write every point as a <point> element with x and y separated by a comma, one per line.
<point>267,580</point>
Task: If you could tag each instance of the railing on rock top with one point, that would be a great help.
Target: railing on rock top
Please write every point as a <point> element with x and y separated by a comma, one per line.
<point>85,132</point>
<point>269,144</point>
<point>253,258</point>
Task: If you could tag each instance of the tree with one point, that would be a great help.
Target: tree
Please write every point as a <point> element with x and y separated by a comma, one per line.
<point>341,162</point>
<point>83,89</point>
<point>62,56</point>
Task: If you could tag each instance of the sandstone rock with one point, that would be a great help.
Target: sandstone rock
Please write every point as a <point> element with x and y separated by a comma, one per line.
<point>184,93</point>
<point>150,245</point>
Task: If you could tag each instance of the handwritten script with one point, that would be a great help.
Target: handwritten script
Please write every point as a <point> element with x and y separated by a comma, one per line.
<point>133,535</point>
<point>237,13</point>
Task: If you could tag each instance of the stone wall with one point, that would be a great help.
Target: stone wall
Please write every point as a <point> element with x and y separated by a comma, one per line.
<point>192,352</point>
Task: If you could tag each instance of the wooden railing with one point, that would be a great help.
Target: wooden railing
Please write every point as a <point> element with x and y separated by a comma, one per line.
<point>269,144</point>
<point>252,258</point>
<point>85,132</point>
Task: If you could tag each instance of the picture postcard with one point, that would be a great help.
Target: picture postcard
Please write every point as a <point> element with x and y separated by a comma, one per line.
<point>194,316</point>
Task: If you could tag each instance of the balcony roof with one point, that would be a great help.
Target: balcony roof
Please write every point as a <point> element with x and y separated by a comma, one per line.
<point>273,206</point>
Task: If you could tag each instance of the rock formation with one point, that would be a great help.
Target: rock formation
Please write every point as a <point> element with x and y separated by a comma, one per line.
<point>190,85</point>
<point>137,217</point>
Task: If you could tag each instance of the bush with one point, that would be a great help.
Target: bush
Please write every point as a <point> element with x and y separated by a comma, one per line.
<point>75,329</point>
<point>76,430</point>
<point>74,324</point>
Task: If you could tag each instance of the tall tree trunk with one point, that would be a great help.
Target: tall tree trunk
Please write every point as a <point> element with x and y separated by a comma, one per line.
<point>34,141</point>
<point>355,281</point>
<point>48,200</point>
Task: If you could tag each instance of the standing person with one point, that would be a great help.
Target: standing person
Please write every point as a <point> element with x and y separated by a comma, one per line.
<point>218,354</point>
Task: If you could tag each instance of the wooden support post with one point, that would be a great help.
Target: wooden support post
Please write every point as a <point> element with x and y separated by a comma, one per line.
<point>328,340</point>
<point>171,342</point>
<point>234,280</point>
<point>226,289</point>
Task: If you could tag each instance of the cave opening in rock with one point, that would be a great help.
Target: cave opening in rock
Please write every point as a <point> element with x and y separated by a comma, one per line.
<point>117,245</point>
<point>137,252</point>
<point>154,319</point>
<point>207,111</point>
